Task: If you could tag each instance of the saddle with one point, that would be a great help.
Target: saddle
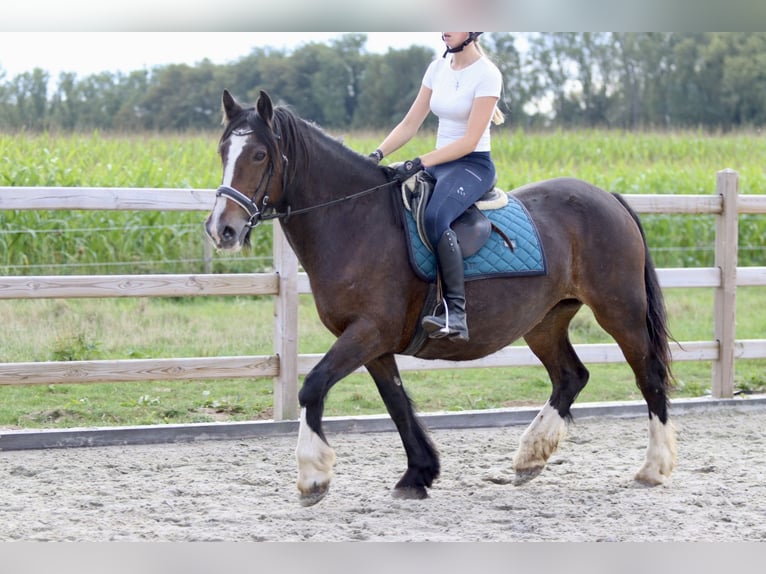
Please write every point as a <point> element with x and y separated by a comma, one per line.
<point>473,228</point>
<point>485,254</point>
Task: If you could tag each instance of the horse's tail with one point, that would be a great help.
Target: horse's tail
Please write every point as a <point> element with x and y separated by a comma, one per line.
<point>656,314</point>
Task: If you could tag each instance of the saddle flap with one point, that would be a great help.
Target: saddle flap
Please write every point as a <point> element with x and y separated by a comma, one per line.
<point>472,229</point>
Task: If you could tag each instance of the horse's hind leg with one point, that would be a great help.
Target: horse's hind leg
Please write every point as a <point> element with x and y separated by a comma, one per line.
<point>549,341</point>
<point>422,458</point>
<point>649,362</point>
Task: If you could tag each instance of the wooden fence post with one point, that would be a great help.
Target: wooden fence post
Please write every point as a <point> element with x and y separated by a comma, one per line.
<point>285,328</point>
<point>725,304</point>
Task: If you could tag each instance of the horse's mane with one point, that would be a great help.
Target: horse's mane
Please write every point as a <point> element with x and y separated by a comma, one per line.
<point>295,136</point>
<point>304,143</point>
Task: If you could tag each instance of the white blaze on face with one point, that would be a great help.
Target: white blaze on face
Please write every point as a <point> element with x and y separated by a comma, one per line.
<point>236,145</point>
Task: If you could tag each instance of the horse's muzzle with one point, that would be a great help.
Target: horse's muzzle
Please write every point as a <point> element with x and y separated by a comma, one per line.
<point>227,237</point>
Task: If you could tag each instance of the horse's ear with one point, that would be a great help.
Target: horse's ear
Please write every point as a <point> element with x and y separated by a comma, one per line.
<point>265,107</point>
<point>231,107</point>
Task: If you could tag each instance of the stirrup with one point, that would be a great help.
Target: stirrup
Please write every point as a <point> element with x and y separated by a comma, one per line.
<point>446,331</point>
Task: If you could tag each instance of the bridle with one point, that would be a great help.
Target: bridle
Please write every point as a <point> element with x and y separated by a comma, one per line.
<point>254,214</point>
<point>266,212</point>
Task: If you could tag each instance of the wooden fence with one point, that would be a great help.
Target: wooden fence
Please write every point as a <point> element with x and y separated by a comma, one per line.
<point>286,365</point>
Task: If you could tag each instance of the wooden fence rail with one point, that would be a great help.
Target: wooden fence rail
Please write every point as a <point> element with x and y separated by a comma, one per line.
<point>286,365</point>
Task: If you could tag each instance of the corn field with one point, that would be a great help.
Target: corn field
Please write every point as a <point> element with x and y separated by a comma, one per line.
<point>94,242</point>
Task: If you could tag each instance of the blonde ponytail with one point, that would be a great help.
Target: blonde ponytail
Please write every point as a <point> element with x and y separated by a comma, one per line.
<point>498,117</point>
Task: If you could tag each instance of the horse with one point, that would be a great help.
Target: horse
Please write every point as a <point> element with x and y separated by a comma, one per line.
<point>341,215</point>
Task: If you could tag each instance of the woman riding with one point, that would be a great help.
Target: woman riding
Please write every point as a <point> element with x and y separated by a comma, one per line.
<point>463,92</point>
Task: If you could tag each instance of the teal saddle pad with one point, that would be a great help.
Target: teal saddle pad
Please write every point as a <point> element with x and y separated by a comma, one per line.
<point>495,258</point>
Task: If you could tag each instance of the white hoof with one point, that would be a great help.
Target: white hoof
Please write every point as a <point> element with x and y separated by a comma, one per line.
<point>660,454</point>
<point>539,441</point>
<point>315,462</point>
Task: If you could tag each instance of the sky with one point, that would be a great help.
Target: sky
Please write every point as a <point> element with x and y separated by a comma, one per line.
<point>88,37</point>
<point>87,53</point>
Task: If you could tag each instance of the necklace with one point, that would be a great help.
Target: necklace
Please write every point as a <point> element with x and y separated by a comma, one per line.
<point>459,71</point>
<point>458,76</point>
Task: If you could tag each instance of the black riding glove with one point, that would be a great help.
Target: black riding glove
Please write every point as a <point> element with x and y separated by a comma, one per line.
<point>407,169</point>
<point>376,156</point>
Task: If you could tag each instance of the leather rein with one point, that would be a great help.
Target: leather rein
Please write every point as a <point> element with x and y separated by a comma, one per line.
<point>266,212</point>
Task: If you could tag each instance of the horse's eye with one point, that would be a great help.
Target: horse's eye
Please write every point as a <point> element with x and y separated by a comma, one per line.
<point>259,155</point>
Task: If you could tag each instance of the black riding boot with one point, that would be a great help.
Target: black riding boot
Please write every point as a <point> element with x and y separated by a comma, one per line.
<point>450,321</point>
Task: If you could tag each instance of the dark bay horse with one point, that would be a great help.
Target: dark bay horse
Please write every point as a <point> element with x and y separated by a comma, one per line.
<point>338,213</point>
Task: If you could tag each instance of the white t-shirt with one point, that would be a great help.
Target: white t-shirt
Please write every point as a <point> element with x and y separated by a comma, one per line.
<point>453,93</point>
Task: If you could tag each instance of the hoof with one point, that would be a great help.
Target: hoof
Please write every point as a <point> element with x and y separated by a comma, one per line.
<point>315,494</point>
<point>497,479</point>
<point>410,493</point>
<point>527,474</point>
<point>660,455</point>
<point>648,478</point>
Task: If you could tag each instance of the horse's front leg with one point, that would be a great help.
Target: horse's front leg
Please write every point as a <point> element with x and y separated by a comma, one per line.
<point>422,457</point>
<point>313,454</point>
<point>315,462</point>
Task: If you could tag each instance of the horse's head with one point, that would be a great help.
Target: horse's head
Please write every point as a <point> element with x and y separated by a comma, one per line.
<point>253,171</point>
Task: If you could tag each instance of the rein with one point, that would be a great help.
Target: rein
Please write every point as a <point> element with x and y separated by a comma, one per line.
<point>256,215</point>
<point>332,202</point>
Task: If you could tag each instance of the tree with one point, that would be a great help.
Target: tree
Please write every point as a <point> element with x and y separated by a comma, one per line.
<point>181,97</point>
<point>643,64</point>
<point>518,90</point>
<point>548,73</point>
<point>350,48</point>
<point>132,88</point>
<point>625,80</point>
<point>743,82</point>
<point>389,85</point>
<point>64,105</point>
<point>29,95</point>
<point>247,75</point>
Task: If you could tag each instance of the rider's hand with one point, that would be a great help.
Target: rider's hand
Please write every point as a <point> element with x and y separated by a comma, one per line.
<point>407,169</point>
<point>376,156</point>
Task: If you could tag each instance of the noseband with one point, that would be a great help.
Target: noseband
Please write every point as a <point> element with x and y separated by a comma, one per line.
<point>255,215</point>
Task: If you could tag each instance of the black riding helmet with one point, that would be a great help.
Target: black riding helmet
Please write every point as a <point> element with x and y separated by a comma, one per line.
<point>472,37</point>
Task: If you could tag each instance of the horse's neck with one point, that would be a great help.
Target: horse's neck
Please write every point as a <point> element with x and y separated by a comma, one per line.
<point>328,231</point>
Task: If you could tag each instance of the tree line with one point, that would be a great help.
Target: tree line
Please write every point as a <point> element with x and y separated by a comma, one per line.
<point>647,80</point>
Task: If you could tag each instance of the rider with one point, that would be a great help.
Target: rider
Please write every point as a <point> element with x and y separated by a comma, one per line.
<point>463,92</point>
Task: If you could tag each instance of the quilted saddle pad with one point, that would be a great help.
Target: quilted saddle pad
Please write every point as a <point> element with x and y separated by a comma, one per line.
<point>496,258</point>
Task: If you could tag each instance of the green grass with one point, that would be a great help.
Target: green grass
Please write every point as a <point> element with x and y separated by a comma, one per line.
<point>82,329</point>
<point>38,242</point>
